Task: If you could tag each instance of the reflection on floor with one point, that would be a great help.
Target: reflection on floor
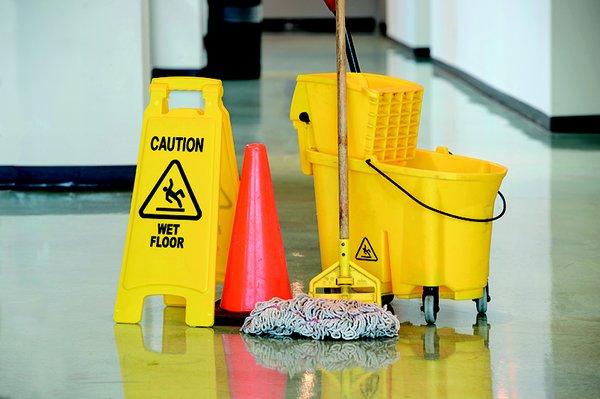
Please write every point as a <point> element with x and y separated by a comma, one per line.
<point>61,255</point>
<point>423,362</point>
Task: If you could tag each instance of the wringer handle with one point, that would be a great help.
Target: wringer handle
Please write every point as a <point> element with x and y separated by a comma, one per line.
<point>160,88</point>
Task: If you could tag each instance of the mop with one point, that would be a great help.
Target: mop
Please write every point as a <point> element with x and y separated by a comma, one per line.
<point>319,318</point>
<point>322,318</point>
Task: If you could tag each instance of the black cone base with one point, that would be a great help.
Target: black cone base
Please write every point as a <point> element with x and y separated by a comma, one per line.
<point>226,318</point>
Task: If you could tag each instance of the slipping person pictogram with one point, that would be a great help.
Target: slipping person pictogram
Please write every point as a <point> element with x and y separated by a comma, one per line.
<point>366,251</point>
<point>178,201</point>
<point>171,195</point>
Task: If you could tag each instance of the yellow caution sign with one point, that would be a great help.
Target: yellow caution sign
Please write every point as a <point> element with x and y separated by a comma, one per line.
<point>173,236</point>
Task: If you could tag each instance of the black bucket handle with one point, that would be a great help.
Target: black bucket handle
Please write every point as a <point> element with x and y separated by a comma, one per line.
<point>424,205</point>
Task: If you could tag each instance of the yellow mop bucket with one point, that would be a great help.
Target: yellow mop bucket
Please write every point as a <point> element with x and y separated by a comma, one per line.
<point>383,115</point>
<point>407,246</point>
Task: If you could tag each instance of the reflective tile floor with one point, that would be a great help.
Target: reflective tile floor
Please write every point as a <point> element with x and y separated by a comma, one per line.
<point>61,254</point>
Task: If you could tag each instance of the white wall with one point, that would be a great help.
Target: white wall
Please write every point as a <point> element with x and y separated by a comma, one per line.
<point>9,87</point>
<point>408,21</point>
<point>575,57</point>
<point>177,31</point>
<point>541,52</point>
<point>505,44</point>
<point>73,81</point>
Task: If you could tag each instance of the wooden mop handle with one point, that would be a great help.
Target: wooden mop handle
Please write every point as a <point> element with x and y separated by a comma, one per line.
<point>340,35</point>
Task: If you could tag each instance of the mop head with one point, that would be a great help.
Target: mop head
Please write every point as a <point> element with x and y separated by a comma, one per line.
<point>319,318</point>
<point>295,356</point>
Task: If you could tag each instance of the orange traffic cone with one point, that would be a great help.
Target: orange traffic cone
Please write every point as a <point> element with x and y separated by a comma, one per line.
<point>256,266</point>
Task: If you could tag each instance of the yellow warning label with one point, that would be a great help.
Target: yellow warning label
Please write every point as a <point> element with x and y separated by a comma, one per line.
<point>173,236</point>
<point>171,197</point>
<point>366,251</point>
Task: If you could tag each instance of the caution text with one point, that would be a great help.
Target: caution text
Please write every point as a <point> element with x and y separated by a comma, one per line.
<point>179,143</point>
<point>167,237</point>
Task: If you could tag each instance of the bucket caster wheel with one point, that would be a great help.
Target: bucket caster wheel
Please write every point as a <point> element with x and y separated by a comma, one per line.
<point>482,303</point>
<point>386,299</point>
<point>431,304</point>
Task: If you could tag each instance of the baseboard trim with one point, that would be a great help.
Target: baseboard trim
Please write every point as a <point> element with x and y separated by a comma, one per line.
<point>318,25</point>
<point>67,178</point>
<point>554,124</point>
<point>419,54</point>
<point>575,124</point>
